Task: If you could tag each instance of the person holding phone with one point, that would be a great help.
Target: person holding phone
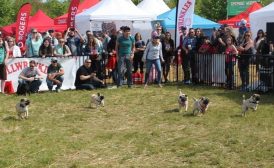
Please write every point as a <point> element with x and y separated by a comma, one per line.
<point>74,43</point>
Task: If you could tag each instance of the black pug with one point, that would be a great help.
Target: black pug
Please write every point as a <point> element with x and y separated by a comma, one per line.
<point>23,89</point>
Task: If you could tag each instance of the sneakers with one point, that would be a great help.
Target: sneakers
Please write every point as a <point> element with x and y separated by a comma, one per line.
<point>58,90</point>
<point>187,82</point>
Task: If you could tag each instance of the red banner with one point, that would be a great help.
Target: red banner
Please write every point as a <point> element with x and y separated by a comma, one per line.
<point>22,24</point>
<point>72,11</point>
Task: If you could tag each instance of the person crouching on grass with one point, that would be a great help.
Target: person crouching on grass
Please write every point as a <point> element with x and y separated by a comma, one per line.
<point>55,75</point>
<point>31,76</point>
<point>86,77</point>
<point>153,55</point>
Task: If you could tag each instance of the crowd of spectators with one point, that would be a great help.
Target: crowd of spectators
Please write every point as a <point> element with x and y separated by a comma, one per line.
<point>118,54</point>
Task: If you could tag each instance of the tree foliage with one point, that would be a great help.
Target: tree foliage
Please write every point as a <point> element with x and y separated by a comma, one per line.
<point>210,9</point>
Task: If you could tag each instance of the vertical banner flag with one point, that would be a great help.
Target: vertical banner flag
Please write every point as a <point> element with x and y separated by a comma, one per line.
<point>72,11</point>
<point>22,24</point>
<point>184,16</point>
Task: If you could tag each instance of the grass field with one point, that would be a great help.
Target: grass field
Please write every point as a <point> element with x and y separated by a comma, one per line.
<point>136,128</point>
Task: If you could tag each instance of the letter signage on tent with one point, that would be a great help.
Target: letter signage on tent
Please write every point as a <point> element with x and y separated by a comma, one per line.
<point>22,24</point>
<point>72,11</point>
<point>185,11</point>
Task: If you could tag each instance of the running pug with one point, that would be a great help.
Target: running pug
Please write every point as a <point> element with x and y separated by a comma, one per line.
<point>22,108</point>
<point>182,101</point>
<point>97,100</point>
<point>252,103</point>
<point>200,106</point>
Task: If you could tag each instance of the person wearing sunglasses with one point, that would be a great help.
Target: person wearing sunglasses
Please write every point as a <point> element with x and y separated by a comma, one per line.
<point>246,51</point>
<point>14,50</point>
<point>86,78</point>
<point>33,43</point>
<point>31,76</point>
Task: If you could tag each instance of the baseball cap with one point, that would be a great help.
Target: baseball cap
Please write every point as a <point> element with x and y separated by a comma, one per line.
<point>54,60</point>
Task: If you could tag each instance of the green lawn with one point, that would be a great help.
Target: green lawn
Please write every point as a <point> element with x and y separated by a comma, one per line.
<point>136,128</point>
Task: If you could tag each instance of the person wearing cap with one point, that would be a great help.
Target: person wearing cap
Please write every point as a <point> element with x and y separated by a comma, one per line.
<point>189,47</point>
<point>3,60</point>
<point>31,76</point>
<point>125,48</point>
<point>86,77</point>
<point>153,55</point>
<point>55,74</point>
<point>242,29</point>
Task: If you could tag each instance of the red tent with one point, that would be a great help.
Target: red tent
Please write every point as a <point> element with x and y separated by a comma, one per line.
<point>40,21</point>
<point>234,21</point>
<point>62,20</point>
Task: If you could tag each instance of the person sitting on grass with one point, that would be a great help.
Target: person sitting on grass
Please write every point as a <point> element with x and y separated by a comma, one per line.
<point>55,75</point>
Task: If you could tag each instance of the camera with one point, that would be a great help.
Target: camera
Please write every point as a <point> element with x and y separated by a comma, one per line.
<point>72,29</point>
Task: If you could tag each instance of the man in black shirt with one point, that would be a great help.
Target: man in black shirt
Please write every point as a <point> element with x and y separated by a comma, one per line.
<point>86,77</point>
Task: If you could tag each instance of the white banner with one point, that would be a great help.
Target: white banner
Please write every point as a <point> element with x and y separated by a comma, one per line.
<point>185,11</point>
<point>70,65</point>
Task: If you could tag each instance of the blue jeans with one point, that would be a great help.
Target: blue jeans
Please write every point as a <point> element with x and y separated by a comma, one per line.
<point>50,83</point>
<point>121,62</point>
<point>157,64</point>
<point>33,86</point>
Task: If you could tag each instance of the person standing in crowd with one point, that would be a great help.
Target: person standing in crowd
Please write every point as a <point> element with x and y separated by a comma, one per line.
<point>139,52</point>
<point>153,55</point>
<point>245,50</point>
<point>3,60</point>
<point>230,60</point>
<point>86,78</point>
<point>189,47</point>
<point>199,37</point>
<point>46,49</point>
<point>125,48</point>
<point>31,76</point>
<point>14,50</point>
<point>74,43</point>
<point>179,51</point>
<point>168,53</point>
<point>61,49</point>
<point>92,50</point>
<point>53,39</point>
<point>260,37</point>
<point>55,74</point>
<point>33,43</point>
<point>112,56</point>
<point>242,29</point>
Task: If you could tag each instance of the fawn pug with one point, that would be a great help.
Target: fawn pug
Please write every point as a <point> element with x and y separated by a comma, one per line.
<point>97,100</point>
<point>22,108</point>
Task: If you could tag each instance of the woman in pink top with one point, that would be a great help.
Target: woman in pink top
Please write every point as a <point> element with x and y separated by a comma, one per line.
<point>230,60</point>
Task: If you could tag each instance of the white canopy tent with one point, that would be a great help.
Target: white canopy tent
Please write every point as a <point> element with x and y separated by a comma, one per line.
<point>118,12</point>
<point>153,7</point>
<point>259,18</point>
